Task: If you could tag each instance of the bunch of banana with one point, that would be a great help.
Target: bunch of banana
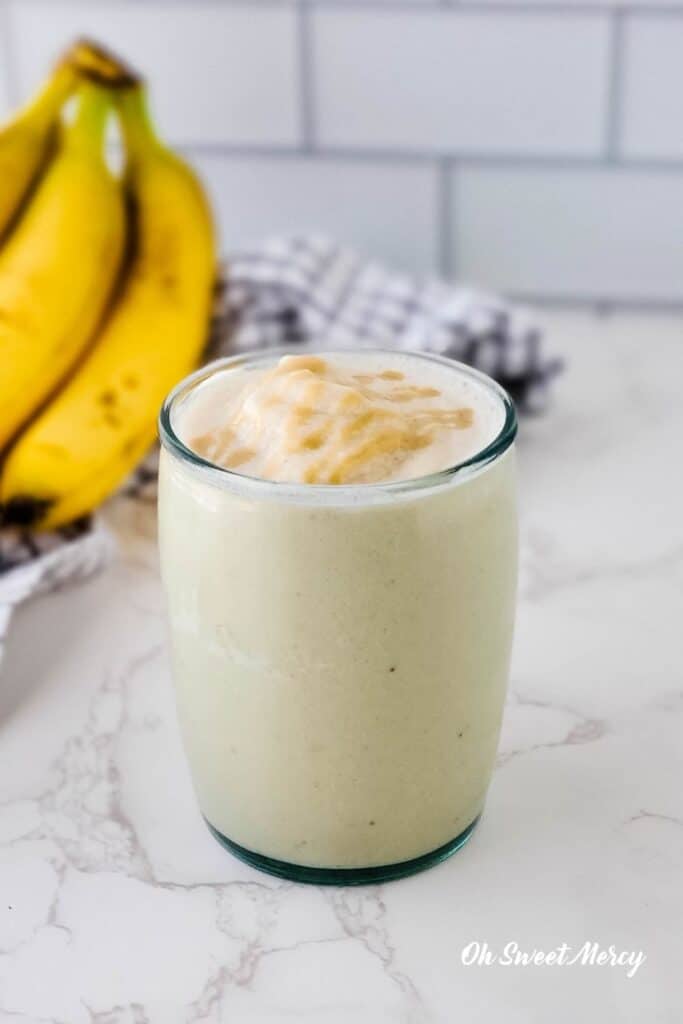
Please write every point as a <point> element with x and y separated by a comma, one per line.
<point>59,266</point>
<point>93,431</point>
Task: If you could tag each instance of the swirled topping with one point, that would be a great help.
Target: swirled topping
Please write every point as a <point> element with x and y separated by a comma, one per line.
<point>338,420</point>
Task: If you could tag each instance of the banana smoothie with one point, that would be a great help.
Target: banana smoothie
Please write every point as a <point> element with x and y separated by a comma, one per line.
<point>338,550</point>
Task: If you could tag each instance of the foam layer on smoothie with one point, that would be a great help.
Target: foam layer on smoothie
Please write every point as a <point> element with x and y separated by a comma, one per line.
<point>343,418</point>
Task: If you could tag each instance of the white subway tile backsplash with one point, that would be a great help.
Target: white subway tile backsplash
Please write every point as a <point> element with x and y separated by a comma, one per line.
<point>607,233</point>
<point>219,72</point>
<point>652,104</point>
<point>448,80</point>
<point>386,211</point>
<point>341,115</point>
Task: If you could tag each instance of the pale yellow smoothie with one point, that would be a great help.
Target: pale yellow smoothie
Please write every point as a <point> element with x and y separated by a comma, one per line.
<point>338,548</point>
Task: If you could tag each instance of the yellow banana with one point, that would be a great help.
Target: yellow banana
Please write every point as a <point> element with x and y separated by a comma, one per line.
<point>92,435</point>
<point>59,265</point>
<point>26,141</point>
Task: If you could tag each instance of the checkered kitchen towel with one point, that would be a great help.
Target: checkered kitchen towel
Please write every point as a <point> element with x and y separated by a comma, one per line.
<point>288,292</point>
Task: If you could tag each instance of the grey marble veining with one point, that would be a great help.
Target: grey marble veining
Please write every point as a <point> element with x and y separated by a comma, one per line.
<point>117,907</point>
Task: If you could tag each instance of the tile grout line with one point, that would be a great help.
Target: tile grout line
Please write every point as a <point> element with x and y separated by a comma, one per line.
<point>551,300</point>
<point>444,228</point>
<point>455,249</point>
<point>307,120</point>
<point>615,87</point>
<point>488,161</point>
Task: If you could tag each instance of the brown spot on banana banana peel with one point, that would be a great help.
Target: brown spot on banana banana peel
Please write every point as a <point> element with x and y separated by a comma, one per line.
<point>129,446</point>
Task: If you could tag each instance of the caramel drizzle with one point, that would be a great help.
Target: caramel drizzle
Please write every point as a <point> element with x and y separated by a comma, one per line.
<point>353,437</point>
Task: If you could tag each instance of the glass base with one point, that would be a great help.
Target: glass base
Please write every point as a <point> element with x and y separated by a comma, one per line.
<point>344,876</point>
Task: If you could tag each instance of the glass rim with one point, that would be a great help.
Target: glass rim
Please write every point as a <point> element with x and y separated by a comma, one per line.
<point>222,476</point>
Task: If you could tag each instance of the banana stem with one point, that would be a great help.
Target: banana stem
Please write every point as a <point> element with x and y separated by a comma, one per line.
<point>136,124</point>
<point>87,128</point>
<point>95,62</point>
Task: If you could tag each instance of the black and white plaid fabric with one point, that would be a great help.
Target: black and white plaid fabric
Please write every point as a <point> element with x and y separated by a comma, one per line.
<point>295,291</point>
<point>298,290</point>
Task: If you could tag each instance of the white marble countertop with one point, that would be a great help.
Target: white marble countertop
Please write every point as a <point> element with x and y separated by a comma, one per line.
<point>117,907</point>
